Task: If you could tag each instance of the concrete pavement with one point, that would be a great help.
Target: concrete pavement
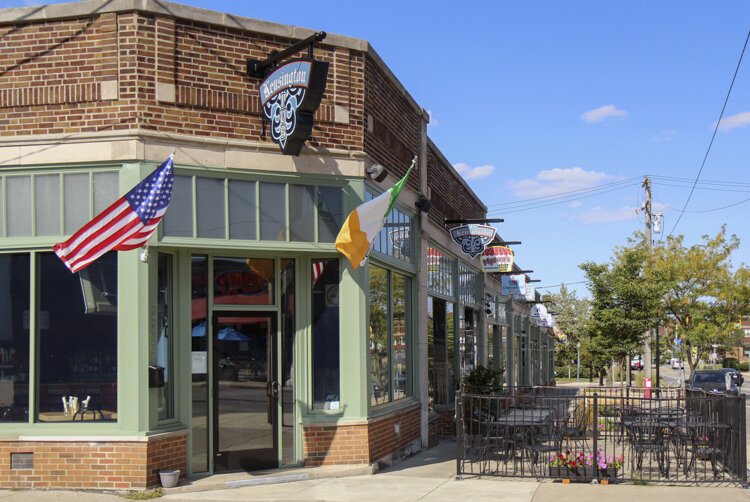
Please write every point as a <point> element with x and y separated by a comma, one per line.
<point>428,476</point>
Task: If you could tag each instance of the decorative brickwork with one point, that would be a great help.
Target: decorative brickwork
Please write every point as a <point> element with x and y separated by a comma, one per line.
<point>360,443</point>
<point>101,465</point>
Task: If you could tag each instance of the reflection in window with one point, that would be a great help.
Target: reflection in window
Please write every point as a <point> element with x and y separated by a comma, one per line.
<point>301,213</point>
<point>437,354</point>
<point>325,334</point>
<point>14,337</point>
<point>243,281</point>
<point>469,284</point>
<point>242,209</point>
<point>389,335</point>
<point>440,270</point>
<point>77,324</point>
<point>272,212</point>
<point>178,221</point>
<point>199,361</point>
<point>288,330</point>
<point>330,213</point>
<point>395,239</point>
<point>400,297</point>
<point>165,340</point>
<point>210,207</point>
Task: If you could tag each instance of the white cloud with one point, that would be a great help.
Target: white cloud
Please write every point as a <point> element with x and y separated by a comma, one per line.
<point>603,215</point>
<point>433,121</point>
<point>558,181</point>
<point>603,113</point>
<point>666,135</point>
<point>472,173</point>
<point>575,204</point>
<point>736,121</point>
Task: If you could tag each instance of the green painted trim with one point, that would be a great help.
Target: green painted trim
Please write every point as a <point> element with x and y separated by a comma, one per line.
<point>212,245</point>
<point>269,176</point>
<point>34,282</point>
<point>257,213</point>
<point>3,208</point>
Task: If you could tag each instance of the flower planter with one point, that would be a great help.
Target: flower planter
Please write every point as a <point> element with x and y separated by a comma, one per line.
<point>609,474</point>
<point>577,474</point>
<point>169,477</point>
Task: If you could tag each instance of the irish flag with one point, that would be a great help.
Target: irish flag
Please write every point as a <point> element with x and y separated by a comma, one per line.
<point>366,221</point>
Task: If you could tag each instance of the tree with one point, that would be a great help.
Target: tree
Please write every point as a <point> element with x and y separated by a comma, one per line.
<point>572,317</point>
<point>703,298</point>
<point>624,304</point>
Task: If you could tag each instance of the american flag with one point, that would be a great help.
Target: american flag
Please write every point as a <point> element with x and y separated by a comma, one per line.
<point>126,224</point>
<point>317,270</point>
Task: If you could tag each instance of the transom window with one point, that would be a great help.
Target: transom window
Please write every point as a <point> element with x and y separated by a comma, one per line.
<point>53,203</point>
<point>440,270</point>
<point>220,208</point>
<point>469,282</point>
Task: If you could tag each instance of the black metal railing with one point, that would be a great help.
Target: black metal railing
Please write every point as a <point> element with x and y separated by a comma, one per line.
<point>618,434</point>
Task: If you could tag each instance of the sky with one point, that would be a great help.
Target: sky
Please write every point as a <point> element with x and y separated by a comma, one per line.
<point>530,100</point>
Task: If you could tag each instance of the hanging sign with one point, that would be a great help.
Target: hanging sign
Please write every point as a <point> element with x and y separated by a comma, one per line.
<point>530,294</point>
<point>473,238</point>
<point>289,97</point>
<point>497,259</point>
<point>539,312</point>
<point>514,285</point>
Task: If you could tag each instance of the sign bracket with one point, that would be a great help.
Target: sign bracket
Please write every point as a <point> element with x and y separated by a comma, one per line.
<point>257,68</point>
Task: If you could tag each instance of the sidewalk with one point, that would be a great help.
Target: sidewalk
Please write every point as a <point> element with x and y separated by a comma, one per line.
<point>428,476</point>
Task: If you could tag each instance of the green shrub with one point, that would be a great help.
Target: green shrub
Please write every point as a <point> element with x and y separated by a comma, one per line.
<point>483,380</point>
<point>745,366</point>
<point>730,362</point>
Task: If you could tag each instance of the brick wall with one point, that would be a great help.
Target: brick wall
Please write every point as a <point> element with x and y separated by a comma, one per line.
<point>138,70</point>
<point>360,443</point>
<point>393,125</point>
<point>450,198</point>
<point>101,465</point>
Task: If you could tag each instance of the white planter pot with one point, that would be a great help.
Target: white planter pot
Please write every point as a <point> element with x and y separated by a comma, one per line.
<point>169,477</point>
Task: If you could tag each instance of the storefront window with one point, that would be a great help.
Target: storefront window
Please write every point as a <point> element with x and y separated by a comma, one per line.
<point>437,352</point>
<point>272,212</point>
<point>395,239</point>
<point>440,271</point>
<point>199,361</point>
<point>77,325</point>
<point>469,282</point>
<point>330,213</point>
<point>325,334</point>
<point>14,337</point>
<point>244,281</point>
<point>165,340</point>
<point>389,335</point>
<point>288,331</point>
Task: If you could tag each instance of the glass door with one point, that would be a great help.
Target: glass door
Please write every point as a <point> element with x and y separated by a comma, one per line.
<point>246,391</point>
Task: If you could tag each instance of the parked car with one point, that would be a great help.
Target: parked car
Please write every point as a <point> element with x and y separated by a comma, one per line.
<point>636,363</point>
<point>739,378</point>
<point>677,363</point>
<point>712,381</point>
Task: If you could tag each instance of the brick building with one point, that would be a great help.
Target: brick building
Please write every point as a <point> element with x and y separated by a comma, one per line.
<point>275,352</point>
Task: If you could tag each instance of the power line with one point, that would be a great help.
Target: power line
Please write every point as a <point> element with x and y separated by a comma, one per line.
<point>702,188</point>
<point>705,210</point>
<point>566,194</point>
<point>561,285</point>
<point>538,205</point>
<point>716,128</point>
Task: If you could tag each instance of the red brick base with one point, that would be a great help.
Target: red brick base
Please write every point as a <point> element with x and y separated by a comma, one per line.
<point>362,443</point>
<point>103,465</point>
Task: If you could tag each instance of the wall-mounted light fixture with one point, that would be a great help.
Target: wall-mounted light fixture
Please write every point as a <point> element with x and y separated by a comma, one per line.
<point>378,172</point>
<point>423,203</point>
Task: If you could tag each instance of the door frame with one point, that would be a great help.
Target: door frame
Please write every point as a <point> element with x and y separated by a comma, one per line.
<point>227,464</point>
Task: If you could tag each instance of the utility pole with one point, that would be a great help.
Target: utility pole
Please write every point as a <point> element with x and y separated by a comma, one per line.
<point>647,341</point>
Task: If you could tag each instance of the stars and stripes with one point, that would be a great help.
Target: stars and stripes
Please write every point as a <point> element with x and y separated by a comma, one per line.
<point>126,224</point>
<point>317,270</point>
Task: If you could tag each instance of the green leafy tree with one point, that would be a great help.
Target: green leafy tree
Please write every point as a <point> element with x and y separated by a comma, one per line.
<point>572,316</point>
<point>624,304</point>
<point>703,296</point>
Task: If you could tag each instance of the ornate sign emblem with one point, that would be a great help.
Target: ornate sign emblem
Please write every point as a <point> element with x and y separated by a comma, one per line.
<point>289,97</point>
<point>473,238</point>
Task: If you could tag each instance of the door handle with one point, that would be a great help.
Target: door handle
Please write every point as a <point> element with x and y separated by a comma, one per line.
<point>275,389</point>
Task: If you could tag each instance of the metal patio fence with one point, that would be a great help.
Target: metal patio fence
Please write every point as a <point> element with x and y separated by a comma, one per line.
<point>613,433</point>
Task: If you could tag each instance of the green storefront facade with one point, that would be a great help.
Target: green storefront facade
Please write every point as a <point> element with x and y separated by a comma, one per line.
<point>239,339</point>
